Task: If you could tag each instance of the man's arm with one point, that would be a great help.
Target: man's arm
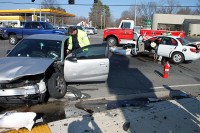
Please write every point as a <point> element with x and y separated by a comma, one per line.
<point>69,43</point>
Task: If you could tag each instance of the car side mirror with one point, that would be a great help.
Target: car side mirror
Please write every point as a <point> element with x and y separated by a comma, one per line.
<point>72,57</point>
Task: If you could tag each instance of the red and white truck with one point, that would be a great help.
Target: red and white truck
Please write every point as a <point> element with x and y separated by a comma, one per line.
<point>127,33</point>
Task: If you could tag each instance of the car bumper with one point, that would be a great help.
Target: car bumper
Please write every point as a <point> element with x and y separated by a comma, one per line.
<point>3,36</point>
<point>24,91</point>
<point>193,56</point>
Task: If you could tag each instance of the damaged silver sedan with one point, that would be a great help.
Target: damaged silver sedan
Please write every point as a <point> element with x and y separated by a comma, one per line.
<point>37,66</point>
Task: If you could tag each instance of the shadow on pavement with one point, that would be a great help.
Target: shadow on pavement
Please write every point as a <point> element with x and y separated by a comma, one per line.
<point>133,81</point>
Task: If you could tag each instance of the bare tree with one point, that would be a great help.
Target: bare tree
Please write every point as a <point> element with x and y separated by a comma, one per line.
<point>147,10</point>
<point>197,10</point>
<point>50,4</point>
<point>185,11</point>
<point>169,6</point>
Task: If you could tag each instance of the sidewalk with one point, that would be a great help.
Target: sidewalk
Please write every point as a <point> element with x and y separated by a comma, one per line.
<point>172,116</point>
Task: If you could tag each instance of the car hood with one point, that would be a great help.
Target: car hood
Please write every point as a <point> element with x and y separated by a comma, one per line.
<point>12,68</point>
<point>62,32</point>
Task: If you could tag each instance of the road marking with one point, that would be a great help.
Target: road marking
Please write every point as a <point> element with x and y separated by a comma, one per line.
<point>175,86</point>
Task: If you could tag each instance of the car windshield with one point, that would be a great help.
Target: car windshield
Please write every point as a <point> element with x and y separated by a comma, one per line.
<point>183,41</point>
<point>37,48</point>
<point>47,25</point>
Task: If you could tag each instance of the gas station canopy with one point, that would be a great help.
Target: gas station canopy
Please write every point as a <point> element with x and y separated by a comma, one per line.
<point>50,12</point>
<point>20,15</point>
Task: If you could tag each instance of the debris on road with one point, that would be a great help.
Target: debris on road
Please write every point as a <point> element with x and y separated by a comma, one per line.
<point>126,126</point>
<point>116,50</point>
<point>17,120</point>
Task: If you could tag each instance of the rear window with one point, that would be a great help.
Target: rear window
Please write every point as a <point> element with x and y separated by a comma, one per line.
<point>183,41</point>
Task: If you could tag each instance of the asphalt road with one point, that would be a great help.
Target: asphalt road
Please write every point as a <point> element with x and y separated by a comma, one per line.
<point>128,76</point>
<point>139,75</point>
<point>136,75</point>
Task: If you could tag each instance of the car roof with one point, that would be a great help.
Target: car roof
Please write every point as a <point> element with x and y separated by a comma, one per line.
<point>165,36</point>
<point>47,37</point>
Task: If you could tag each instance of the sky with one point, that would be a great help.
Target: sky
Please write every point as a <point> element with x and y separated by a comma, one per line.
<point>79,10</point>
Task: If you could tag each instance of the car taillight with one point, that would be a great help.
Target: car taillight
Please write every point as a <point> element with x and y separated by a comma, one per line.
<point>193,50</point>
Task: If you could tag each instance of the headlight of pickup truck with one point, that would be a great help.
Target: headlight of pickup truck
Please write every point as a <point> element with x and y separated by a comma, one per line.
<point>4,30</point>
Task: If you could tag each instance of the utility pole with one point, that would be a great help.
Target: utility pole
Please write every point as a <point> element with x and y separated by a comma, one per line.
<point>135,13</point>
<point>104,19</point>
<point>40,10</point>
<point>101,21</point>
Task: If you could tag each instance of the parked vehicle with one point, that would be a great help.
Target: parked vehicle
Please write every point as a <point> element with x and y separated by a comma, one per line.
<point>94,30</point>
<point>1,33</point>
<point>89,31</point>
<point>176,48</point>
<point>64,28</point>
<point>29,28</point>
<point>38,64</point>
<point>79,27</point>
<point>126,31</point>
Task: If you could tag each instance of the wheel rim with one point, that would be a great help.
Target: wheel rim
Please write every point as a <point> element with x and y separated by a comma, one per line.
<point>177,58</point>
<point>111,42</point>
<point>12,40</point>
<point>60,85</point>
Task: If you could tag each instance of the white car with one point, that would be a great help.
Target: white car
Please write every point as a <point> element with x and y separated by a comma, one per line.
<point>38,64</point>
<point>89,31</point>
<point>174,47</point>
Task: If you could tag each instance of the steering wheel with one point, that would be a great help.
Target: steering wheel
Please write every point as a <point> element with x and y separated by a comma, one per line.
<point>52,54</point>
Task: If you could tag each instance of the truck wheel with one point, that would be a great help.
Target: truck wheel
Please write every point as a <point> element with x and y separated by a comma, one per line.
<point>13,39</point>
<point>111,41</point>
<point>57,86</point>
<point>177,57</point>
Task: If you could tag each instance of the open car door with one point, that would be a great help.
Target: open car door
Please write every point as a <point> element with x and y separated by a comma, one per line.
<point>87,64</point>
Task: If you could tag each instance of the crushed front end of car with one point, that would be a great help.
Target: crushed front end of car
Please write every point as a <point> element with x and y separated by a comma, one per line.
<point>23,79</point>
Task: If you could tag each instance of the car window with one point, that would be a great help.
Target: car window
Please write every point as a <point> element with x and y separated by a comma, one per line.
<point>126,25</point>
<point>174,42</point>
<point>183,41</point>
<point>169,41</point>
<point>158,40</point>
<point>28,25</point>
<point>35,25</point>
<point>91,52</point>
<point>46,25</point>
<point>37,48</point>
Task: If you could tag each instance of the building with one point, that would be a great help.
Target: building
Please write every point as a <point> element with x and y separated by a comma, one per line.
<point>17,17</point>
<point>188,23</point>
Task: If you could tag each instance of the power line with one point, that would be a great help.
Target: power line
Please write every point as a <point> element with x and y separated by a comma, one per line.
<point>95,5</point>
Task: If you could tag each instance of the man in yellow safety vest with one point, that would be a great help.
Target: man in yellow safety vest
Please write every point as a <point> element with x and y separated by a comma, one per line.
<point>77,39</point>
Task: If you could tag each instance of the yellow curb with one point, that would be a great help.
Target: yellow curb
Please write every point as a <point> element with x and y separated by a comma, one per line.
<point>36,129</point>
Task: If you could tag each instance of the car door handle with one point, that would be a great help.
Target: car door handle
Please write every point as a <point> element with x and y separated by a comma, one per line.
<point>102,64</point>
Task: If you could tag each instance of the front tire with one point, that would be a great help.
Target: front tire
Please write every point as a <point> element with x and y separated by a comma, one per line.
<point>13,39</point>
<point>111,41</point>
<point>177,57</point>
<point>57,86</point>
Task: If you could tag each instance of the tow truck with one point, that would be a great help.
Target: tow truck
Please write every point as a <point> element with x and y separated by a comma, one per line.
<point>127,33</point>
